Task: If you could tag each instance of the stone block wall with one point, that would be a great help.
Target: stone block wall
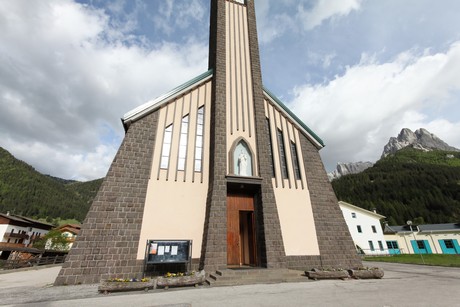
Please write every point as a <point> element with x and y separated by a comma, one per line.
<point>303,263</point>
<point>108,241</point>
<point>214,246</point>
<point>335,243</point>
<point>271,247</point>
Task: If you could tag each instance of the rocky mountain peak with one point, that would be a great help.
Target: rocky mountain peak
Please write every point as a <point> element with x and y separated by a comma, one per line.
<point>421,139</point>
<point>348,168</point>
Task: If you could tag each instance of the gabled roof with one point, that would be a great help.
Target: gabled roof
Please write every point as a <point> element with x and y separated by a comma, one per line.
<point>294,119</point>
<point>26,222</point>
<point>447,227</point>
<point>353,207</point>
<point>397,229</point>
<point>156,103</point>
<point>73,228</point>
<point>440,227</point>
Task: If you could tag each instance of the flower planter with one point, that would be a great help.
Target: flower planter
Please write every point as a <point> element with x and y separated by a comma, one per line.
<point>374,273</point>
<point>181,281</point>
<point>318,274</point>
<point>119,286</point>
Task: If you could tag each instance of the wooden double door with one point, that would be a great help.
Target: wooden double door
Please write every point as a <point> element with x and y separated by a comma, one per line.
<point>241,240</point>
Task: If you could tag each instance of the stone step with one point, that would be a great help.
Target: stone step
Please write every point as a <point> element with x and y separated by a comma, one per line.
<point>230,277</point>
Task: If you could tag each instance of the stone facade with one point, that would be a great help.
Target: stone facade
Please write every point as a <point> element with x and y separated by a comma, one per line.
<point>272,248</point>
<point>214,247</point>
<point>108,242</point>
<point>334,239</point>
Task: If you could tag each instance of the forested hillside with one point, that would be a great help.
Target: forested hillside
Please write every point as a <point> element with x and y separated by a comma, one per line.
<point>411,184</point>
<point>25,191</point>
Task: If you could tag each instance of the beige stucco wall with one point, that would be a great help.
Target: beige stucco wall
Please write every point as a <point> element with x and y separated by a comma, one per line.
<point>296,220</point>
<point>292,195</point>
<point>178,197</point>
<point>169,204</point>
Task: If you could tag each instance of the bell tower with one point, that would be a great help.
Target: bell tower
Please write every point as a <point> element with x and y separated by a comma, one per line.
<point>238,113</point>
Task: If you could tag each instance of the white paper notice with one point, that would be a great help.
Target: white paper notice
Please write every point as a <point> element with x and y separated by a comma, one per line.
<point>167,248</point>
<point>153,248</point>
<point>161,250</point>
<point>174,250</point>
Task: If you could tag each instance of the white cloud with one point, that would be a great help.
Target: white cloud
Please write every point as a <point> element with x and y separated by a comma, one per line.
<point>178,15</point>
<point>324,10</point>
<point>271,25</point>
<point>357,112</point>
<point>325,60</point>
<point>274,20</point>
<point>66,77</point>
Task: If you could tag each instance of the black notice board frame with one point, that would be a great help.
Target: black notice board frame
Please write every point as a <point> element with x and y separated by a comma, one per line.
<point>168,252</point>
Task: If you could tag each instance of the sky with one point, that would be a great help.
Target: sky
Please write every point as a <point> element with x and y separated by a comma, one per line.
<point>355,71</point>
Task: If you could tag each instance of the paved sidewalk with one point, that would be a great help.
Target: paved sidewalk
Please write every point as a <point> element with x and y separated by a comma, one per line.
<point>402,285</point>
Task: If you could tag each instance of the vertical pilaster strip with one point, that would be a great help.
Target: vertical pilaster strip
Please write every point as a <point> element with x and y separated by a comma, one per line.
<point>268,224</point>
<point>214,247</point>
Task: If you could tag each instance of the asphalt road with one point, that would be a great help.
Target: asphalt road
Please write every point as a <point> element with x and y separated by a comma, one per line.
<point>402,285</point>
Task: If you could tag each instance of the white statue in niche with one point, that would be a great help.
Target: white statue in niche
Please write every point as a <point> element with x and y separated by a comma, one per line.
<point>243,164</point>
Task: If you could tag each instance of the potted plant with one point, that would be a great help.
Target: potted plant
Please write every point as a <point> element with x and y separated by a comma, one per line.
<point>127,284</point>
<point>181,279</point>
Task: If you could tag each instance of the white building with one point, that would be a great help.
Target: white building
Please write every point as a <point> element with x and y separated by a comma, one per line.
<point>423,239</point>
<point>365,229</point>
<point>19,232</point>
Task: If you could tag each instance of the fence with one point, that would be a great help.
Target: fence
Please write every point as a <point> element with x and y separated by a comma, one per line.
<point>23,263</point>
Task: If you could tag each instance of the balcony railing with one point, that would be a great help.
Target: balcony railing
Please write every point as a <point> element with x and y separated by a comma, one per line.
<point>15,235</point>
<point>11,245</point>
<point>21,263</point>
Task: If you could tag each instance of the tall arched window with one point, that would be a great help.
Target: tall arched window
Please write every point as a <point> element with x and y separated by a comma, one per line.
<point>166,150</point>
<point>183,144</point>
<point>199,140</point>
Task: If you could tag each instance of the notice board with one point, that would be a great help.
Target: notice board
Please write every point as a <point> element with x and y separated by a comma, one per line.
<point>168,251</point>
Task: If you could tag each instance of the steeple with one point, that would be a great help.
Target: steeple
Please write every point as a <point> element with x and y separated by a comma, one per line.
<point>238,113</point>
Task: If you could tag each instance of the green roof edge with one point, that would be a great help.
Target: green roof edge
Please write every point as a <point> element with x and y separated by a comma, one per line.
<point>300,122</point>
<point>167,96</point>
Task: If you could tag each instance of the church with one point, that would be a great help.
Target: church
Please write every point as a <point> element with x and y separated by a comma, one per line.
<point>219,161</point>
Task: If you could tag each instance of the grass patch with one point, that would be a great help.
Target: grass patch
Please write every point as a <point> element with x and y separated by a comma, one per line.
<point>429,259</point>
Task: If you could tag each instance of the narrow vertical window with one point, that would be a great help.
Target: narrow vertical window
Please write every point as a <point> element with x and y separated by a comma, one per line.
<point>295,161</point>
<point>183,144</point>
<point>199,140</point>
<point>374,230</point>
<point>166,150</point>
<point>371,246</point>
<point>358,227</point>
<point>283,161</point>
<point>272,164</point>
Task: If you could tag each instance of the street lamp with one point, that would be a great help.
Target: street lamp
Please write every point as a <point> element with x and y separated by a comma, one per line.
<point>409,223</point>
